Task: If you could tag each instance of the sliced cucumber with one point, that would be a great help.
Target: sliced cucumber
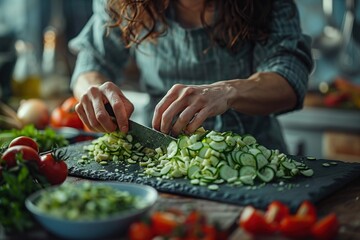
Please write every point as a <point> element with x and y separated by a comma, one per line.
<point>261,160</point>
<point>183,142</point>
<point>288,165</point>
<point>266,174</point>
<point>204,158</point>
<point>227,173</point>
<point>248,139</point>
<point>247,180</point>
<point>193,171</point>
<point>217,138</point>
<point>307,173</point>
<point>247,159</point>
<point>247,170</point>
<point>218,146</point>
<point>195,146</point>
<point>172,149</point>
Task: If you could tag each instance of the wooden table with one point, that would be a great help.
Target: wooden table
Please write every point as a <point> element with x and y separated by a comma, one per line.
<point>345,203</point>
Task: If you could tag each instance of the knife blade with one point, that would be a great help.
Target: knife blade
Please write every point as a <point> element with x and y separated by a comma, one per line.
<point>147,136</point>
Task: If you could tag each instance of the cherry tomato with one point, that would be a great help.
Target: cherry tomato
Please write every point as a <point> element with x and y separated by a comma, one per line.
<point>296,226</point>
<point>53,168</point>
<point>25,141</point>
<point>140,231</point>
<point>164,223</point>
<point>28,154</point>
<point>276,211</point>
<point>307,209</point>
<point>326,228</point>
<point>253,221</point>
<point>62,118</point>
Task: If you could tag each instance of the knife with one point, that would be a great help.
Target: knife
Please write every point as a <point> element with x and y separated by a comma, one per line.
<point>146,136</point>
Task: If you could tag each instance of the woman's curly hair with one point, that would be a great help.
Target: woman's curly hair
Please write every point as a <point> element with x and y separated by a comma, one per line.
<point>236,20</point>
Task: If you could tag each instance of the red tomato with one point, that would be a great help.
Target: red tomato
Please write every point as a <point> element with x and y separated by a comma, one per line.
<point>296,226</point>
<point>25,141</point>
<point>209,232</point>
<point>69,104</point>
<point>253,221</point>
<point>307,209</point>
<point>194,217</point>
<point>54,169</point>
<point>326,228</point>
<point>140,231</point>
<point>28,154</point>
<point>276,212</point>
<point>61,118</point>
<point>164,223</point>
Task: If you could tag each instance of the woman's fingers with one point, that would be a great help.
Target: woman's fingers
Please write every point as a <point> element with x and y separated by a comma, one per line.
<point>121,106</point>
<point>93,113</point>
<point>162,120</point>
<point>185,108</point>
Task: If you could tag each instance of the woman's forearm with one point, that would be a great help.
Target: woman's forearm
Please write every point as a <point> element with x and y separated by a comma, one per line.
<point>260,94</point>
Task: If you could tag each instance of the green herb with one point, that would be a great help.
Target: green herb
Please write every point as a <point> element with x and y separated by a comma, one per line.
<point>16,184</point>
<point>47,138</point>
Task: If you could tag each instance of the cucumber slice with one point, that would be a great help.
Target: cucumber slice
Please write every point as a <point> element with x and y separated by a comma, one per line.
<point>266,174</point>
<point>217,138</point>
<point>218,146</point>
<point>213,187</point>
<point>247,180</point>
<point>193,172</point>
<point>248,139</point>
<point>288,165</point>
<point>205,152</point>
<point>237,156</point>
<point>214,161</point>
<point>165,169</point>
<point>230,141</point>
<point>247,171</point>
<point>248,159</point>
<point>183,142</point>
<point>172,149</point>
<point>195,146</point>
<point>265,151</point>
<point>254,151</point>
<point>230,160</point>
<point>307,172</point>
<point>261,161</point>
<point>227,173</point>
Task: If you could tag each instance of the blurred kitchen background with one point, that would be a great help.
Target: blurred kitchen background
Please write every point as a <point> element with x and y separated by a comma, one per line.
<point>36,63</point>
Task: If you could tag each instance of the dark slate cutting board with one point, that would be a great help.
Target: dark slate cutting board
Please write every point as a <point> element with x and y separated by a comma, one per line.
<point>324,182</point>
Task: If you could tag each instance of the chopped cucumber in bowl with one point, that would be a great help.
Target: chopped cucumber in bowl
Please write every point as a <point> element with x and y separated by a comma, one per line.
<point>90,210</point>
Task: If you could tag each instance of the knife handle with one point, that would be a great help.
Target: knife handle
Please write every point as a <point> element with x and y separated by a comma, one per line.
<point>109,110</point>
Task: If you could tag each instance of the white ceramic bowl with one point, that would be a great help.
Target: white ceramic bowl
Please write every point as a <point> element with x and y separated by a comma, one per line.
<point>115,225</point>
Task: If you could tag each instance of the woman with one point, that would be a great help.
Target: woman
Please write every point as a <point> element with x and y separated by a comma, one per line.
<point>226,65</point>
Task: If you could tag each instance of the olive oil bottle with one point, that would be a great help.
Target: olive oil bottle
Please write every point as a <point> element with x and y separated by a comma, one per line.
<point>26,81</point>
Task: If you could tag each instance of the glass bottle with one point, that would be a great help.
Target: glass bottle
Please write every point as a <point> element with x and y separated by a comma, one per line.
<point>26,80</point>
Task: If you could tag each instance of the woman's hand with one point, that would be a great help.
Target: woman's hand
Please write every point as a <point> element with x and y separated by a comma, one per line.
<point>185,108</point>
<point>91,108</point>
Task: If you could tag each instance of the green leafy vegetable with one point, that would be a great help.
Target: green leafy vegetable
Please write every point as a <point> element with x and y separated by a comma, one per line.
<point>16,184</point>
<point>47,138</point>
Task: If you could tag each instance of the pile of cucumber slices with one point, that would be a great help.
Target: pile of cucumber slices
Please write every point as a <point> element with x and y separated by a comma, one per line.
<point>205,158</point>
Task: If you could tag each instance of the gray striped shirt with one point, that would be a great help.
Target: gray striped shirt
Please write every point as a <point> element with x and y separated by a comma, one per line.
<point>180,57</point>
